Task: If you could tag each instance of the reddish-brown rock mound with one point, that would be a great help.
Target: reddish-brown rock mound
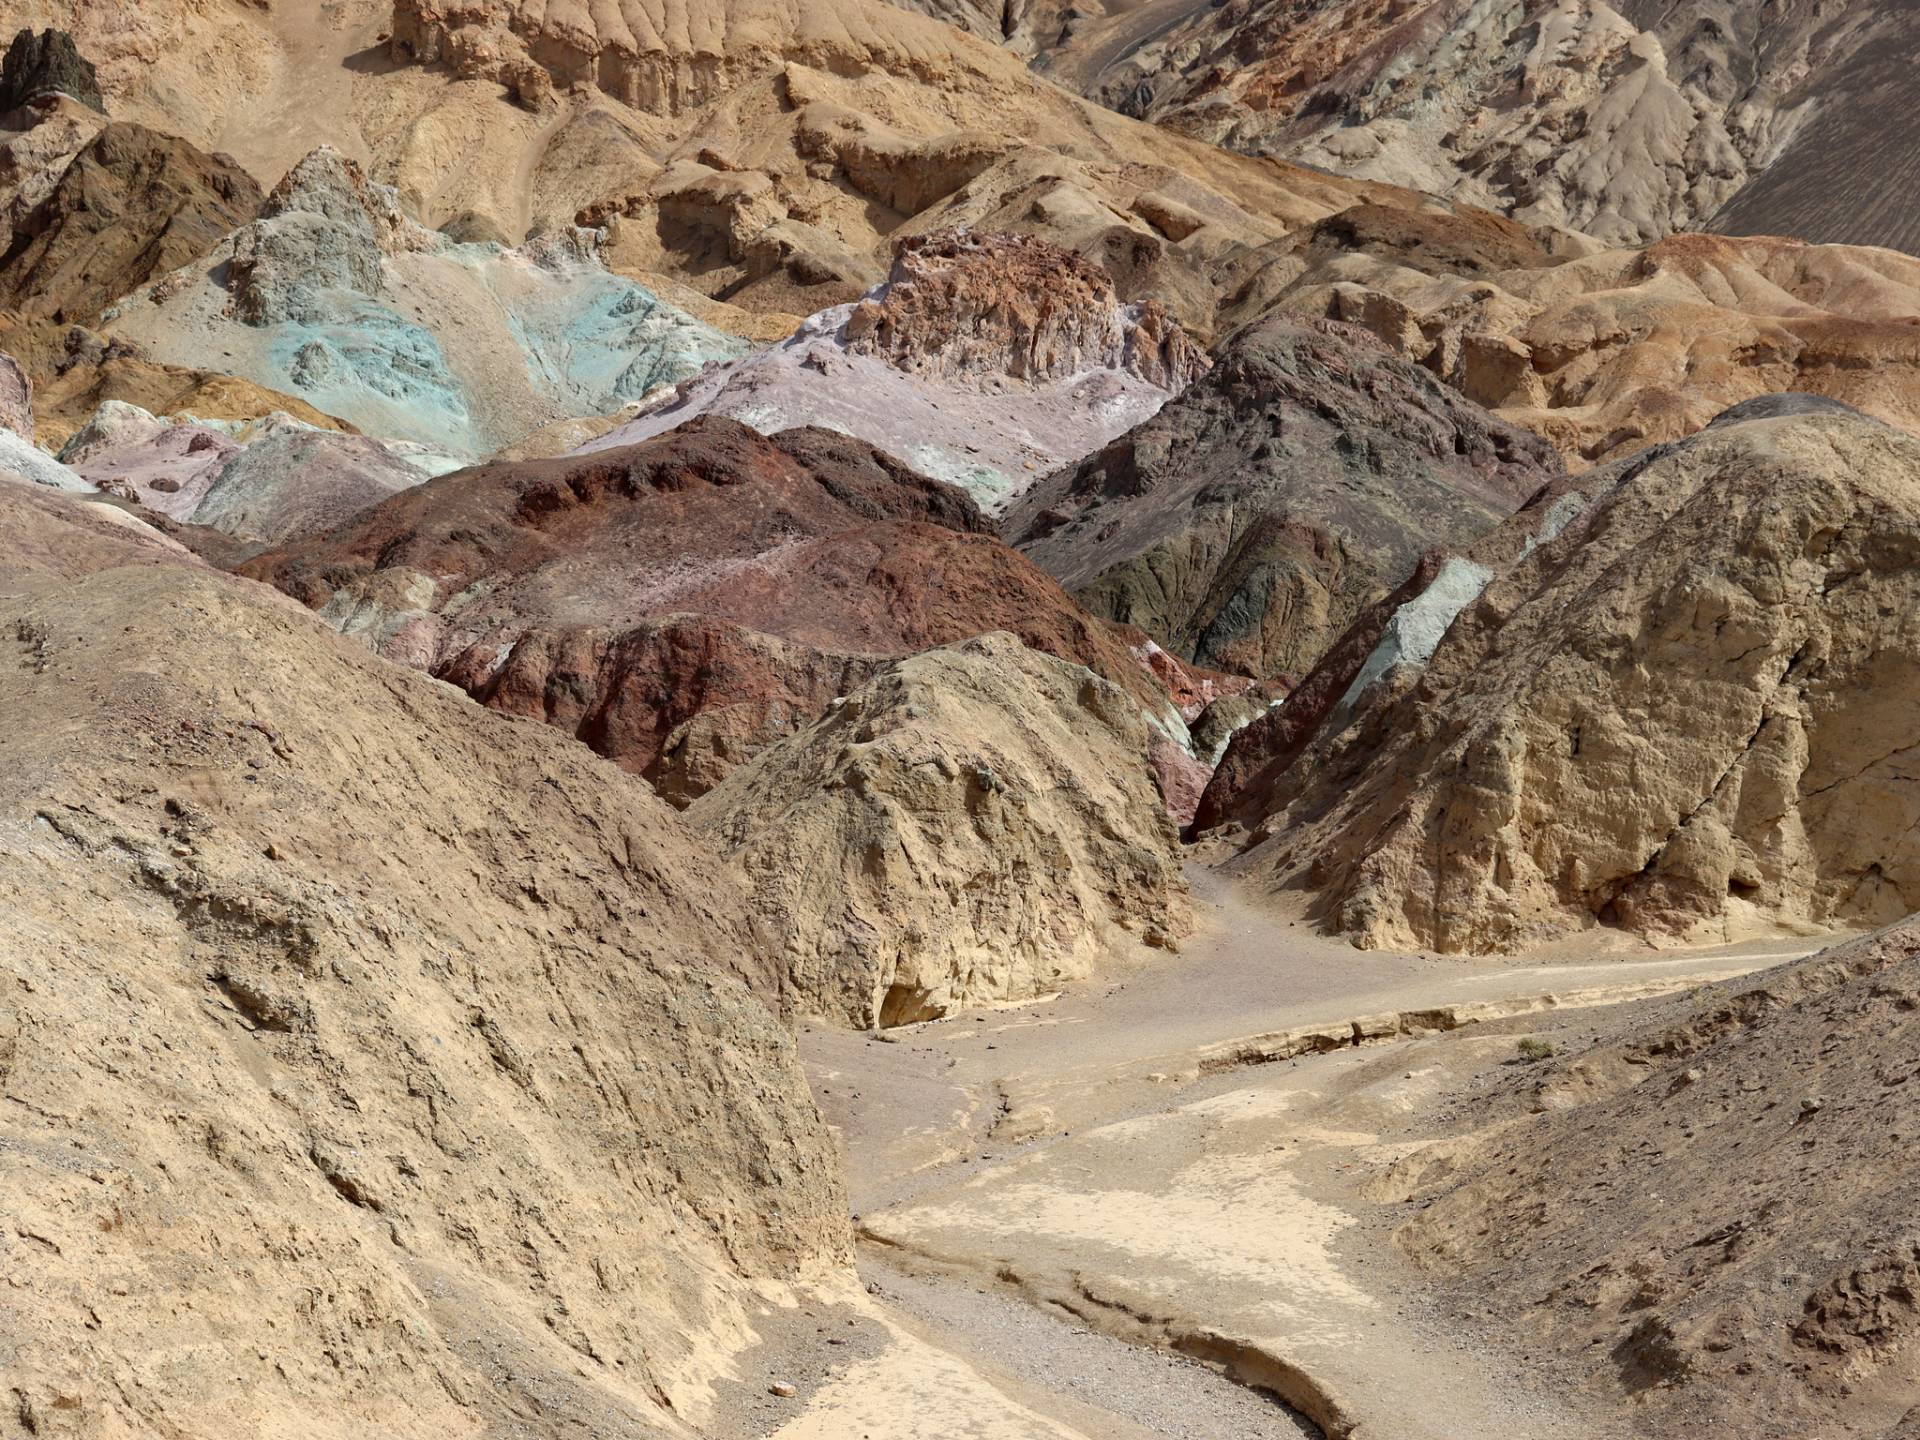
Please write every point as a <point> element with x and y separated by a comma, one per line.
<point>680,603</point>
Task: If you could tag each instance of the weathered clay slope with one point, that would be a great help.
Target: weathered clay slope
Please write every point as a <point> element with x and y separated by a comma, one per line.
<point>133,204</point>
<point>1713,1215</point>
<point>363,1050</point>
<point>1247,523</point>
<point>1629,121</point>
<point>76,370</point>
<point>1606,352</point>
<point>1690,712</point>
<point>975,823</point>
<point>984,361</point>
<point>632,596</point>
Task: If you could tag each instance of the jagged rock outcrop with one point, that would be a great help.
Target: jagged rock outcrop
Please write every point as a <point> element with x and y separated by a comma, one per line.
<point>1713,1213</point>
<point>975,823</point>
<point>44,63</point>
<point>334,295</point>
<point>984,361</point>
<point>681,603</point>
<point>1629,120</point>
<point>1683,706</point>
<point>308,1040</point>
<point>1247,523</point>
<point>963,305</point>
<point>132,205</point>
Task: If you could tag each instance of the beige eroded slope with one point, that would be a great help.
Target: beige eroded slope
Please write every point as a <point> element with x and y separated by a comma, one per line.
<point>1608,351</point>
<point>1694,711</point>
<point>976,823</point>
<point>795,139</point>
<point>363,1053</point>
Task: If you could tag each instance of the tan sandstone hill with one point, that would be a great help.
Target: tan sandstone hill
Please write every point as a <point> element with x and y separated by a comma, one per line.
<point>1710,1219</point>
<point>1606,351</point>
<point>976,823</point>
<point>796,138</point>
<point>1685,709</point>
<point>364,1053</point>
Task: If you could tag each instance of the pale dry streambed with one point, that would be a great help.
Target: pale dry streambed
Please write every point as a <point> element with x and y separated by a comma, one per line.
<point>1153,1206</point>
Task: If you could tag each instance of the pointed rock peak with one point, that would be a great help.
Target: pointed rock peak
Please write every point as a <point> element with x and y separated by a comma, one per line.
<point>46,63</point>
<point>334,186</point>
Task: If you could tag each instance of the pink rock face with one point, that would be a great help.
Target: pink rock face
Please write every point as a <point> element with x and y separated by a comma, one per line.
<point>16,398</point>
<point>166,465</point>
<point>1182,779</point>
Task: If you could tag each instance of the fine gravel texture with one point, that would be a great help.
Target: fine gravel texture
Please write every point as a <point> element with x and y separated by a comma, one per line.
<point>1712,1213</point>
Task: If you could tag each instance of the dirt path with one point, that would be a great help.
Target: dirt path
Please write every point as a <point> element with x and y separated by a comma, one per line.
<point>1102,1206</point>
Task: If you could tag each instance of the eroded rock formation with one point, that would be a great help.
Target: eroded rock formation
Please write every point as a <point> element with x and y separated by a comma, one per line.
<point>1247,523</point>
<point>985,361</point>
<point>680,603</point>
<point>1683,706</point>
<point>320,1114</point>
<point>132,205</point>
<point>1629,121</point>
<point>44,63</point>
<point>975,823</point>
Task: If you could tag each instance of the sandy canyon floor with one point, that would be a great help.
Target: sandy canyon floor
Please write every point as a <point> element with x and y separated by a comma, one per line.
<point>1156,1204</point>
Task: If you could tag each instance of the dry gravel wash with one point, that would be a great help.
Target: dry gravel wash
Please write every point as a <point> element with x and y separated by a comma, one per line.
<point>1172,1167</point>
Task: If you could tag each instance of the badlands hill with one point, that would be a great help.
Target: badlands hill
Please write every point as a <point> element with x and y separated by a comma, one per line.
<point>1709,1218</point>
<point>1247,523</point>
<point>1605,351</point>
<point>1627,121</point>
<point>977,823</point>
<point>679,603</point>
<point>402,1121</point>
<point>1721,629</point>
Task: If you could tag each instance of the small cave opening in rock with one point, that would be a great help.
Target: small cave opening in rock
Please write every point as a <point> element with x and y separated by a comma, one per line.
<point>908,1005</point>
